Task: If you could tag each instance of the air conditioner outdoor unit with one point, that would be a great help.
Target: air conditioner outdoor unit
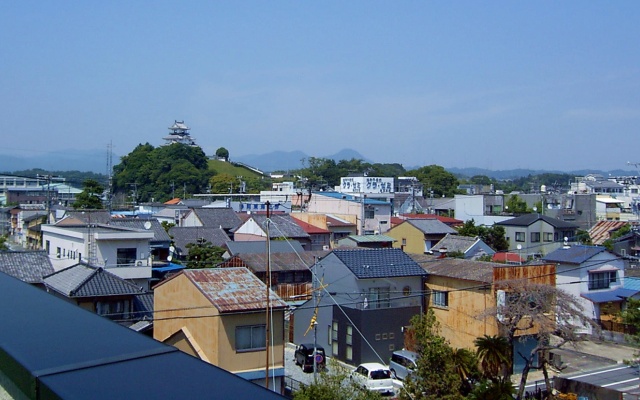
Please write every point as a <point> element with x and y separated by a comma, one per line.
<point>139,263</point>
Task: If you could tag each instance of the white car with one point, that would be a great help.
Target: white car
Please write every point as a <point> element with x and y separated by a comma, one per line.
<point>373,376</point>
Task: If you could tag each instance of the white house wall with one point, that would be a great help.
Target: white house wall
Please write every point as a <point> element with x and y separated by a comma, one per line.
<point>574,279</point>
<point>381,222</point>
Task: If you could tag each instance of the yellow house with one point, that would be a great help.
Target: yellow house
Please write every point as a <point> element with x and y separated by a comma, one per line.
<point>459,291</point>
<point>219,316</point>
<point>418,236</point>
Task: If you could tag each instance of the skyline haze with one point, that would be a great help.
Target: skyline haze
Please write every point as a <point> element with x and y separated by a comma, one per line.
<point>499,85</point>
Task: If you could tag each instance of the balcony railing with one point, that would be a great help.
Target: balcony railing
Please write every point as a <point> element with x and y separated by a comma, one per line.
<point>294,291</point>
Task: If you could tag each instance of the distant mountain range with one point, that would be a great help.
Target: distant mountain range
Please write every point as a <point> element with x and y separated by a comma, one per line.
<point>285,161</point>
<point>73,160</point>
<point>96,161</point>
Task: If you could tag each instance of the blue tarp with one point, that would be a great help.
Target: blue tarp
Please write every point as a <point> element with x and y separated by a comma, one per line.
<point>170,267</point>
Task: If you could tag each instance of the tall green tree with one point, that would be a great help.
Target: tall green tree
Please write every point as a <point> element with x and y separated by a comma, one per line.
<point>149,173</point>
<point>516,205</point>
<point>3,242</point>
<point>436,376</point>
<point>224,183</point>
<point>436,178</point>
<point>623,230</point>
<point>494,355</point>
<point>90,197</point>
<point>203,254</point>
<point>494,236</point>
<point>222,153</point>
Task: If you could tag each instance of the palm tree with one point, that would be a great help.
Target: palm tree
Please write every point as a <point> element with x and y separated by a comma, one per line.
<point>494,356</point>
<point>465,364</point>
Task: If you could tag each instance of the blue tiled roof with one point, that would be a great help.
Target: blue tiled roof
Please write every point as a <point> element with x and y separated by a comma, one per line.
<point>379,263</point>
<point>573,255</point>
<point>609,295</point>
<point>631,282</point>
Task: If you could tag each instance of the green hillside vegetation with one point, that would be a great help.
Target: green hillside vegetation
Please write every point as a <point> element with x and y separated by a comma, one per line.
<point>221,167</point>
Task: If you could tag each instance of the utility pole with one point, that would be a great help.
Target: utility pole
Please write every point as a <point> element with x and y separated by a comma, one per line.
<point>48,178</point>
<point>109,174</point>
<point>363,214</point>
<point>268,305</point>
<point>315,323</point>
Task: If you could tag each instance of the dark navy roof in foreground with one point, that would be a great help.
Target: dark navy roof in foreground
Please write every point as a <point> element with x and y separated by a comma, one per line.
<point>576,254</point>
<point>46,356</point>
<point>379,263</point>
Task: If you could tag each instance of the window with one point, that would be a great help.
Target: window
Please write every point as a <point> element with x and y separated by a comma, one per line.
<point>251,337</point>
<point>113,309</point>
<point>548,237</point>
<point>440,298</point>
<point>334,338</point>
<point>369,213</point>
<point>520,236</point>
<point>404,241</point>
<point>378,298</point>
<point>535,236</point>
<point>601,280</point>
<point>349,343</point>
<point>126,256</point>
<point>47,247</point>
<point>58,252</point>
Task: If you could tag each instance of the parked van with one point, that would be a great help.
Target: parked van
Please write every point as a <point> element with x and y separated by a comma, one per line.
<point>402,363</point>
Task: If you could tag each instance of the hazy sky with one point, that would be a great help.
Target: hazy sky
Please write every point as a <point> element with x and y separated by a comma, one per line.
<point>494,84</point>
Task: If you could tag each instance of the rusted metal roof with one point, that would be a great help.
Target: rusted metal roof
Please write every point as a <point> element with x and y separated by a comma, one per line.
<point>233,289</point>
<point>602,231</point>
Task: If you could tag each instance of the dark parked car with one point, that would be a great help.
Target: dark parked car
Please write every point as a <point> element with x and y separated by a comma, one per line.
<point>304,357</point>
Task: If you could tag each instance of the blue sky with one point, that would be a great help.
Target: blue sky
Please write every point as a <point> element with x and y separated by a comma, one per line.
<point>497,85</point>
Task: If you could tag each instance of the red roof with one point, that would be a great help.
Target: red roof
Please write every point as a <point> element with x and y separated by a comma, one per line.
<point>310,229</point>
<point>445,220</point>
<point>396,221</point>
<point>331,221</point>
<point>507,258</point>
<point>173,202</point>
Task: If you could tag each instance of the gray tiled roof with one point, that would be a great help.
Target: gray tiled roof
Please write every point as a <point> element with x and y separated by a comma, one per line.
<point>277,246</point>
<point>459,268</point>
<point>90,216</point>
<point>454,243</point>
<point>528,219</point>
<point>218,217</point>
<point>432,226</point>
<point>576,254</point>
<point>282,225</point>
<point>143,305</point>
<point>28,266</point>
<point>379,263</point>
<point>82,280</point>
<point>191,234</point>
<point>159,234</point>
<point>370,238</point>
